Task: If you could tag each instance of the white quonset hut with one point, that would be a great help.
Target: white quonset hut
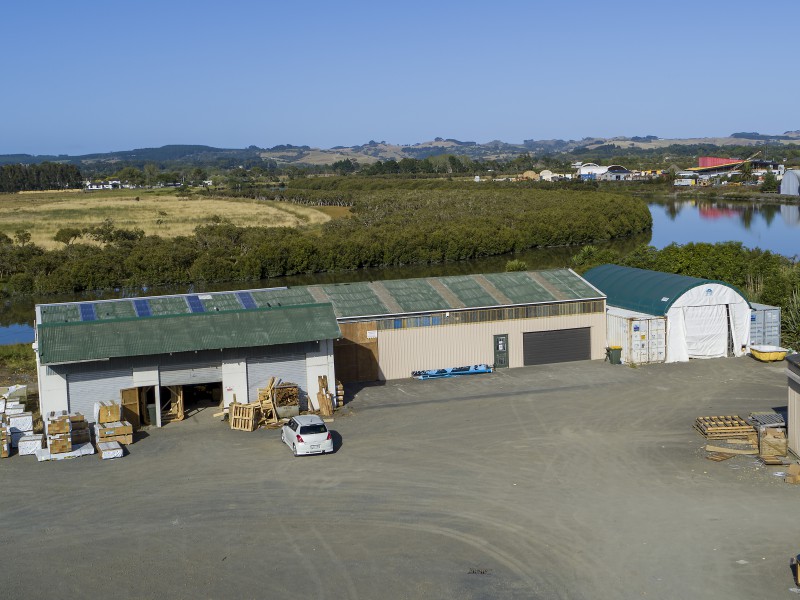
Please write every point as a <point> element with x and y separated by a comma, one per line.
<point>705,318</point>
<point>790,184</point>
<point>219,345</point>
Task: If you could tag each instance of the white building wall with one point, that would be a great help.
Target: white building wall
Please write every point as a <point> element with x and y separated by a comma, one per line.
<point>320,363</point>
<point>52,389</point>
<point>234,381</point>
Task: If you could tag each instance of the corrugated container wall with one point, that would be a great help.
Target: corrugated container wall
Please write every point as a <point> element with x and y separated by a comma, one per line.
<point>642,337</point>
<point>765,325</point>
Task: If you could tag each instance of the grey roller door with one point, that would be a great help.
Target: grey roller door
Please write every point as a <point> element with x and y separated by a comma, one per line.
<point>285,367</point>
<point>86,388</point>
<point>190,374</point>
<point>561,345</point>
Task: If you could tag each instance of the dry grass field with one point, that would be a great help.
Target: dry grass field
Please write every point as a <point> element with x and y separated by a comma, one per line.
<point>156,212</point>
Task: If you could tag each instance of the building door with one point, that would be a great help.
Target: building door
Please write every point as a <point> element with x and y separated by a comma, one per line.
<point>501,351</point>
<point>560,345</point>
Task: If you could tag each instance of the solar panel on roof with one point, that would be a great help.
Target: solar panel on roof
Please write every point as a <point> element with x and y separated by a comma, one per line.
<point>142,308</point>
<point>87,312</point>
<point>194,304</point>
<point>246,299</point>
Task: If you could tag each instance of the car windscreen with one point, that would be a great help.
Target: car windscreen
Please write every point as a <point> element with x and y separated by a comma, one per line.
<point>311,429</point>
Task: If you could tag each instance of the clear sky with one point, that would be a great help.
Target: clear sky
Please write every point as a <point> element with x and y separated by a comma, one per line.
<point>90,76</point>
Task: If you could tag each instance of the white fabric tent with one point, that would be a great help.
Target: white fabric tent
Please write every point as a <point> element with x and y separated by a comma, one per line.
<point>790,184</point>
<point>705,318</point>
<point>699,322</point>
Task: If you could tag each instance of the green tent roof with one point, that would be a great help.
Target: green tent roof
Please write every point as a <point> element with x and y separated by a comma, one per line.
<point>650,292</point>
<point>74,341</point>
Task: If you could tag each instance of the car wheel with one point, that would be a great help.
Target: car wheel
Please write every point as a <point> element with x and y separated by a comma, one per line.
<point>283,439</point>
<point>294,449</point>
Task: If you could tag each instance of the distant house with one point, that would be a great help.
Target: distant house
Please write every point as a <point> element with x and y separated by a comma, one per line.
<point>616,173</point>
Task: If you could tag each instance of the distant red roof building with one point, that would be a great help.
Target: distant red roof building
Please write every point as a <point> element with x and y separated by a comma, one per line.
<point>713,161</point>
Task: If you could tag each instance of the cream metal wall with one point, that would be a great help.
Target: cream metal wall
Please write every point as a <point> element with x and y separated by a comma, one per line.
<point>401,351</point>
<point>793,424</point>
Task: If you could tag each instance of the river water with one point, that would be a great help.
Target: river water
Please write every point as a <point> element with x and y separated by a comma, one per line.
<point>769,226</point>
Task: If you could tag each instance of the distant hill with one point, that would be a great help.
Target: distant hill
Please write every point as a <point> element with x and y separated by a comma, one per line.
<point>175,155</point>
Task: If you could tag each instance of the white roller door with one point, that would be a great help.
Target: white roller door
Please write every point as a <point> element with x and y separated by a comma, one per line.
<point>86,388</point>
<point>286,368</point>
<point>191,374</point>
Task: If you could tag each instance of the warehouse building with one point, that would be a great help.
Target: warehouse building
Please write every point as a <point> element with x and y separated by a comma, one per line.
<point>166,351</point>
<point>170,347</point>
<point>392,328</point>
<point>704,318</point>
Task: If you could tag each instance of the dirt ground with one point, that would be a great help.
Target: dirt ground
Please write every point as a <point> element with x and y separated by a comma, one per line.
<point>573,481</point>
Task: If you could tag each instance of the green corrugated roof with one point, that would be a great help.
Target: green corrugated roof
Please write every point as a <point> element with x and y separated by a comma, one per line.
<point>114,310</point>
<point>60,313</point>
<point>141,336</point>
<point>520,288</point>
<point>169,305</point>
<point>650,292</point>
<point>567,284</point>
<point>468,291</point>
<point>415,295</point>
<point>282,297</point>
<point>217,302</point>
<point>354,300</point>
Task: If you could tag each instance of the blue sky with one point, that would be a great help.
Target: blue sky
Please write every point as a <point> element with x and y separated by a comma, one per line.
<point>89,76</point>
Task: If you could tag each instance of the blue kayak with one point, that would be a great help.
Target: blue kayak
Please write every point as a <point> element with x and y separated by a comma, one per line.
<point>451,372</point>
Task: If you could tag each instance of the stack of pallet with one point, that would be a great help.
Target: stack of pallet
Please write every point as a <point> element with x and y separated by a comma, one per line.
<point>773,446</point>
<point>324,397</point>
<point>730,435</point>
<point>110,431</point>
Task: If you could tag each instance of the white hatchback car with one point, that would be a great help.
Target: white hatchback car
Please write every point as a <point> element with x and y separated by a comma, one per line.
<point>307,434</point>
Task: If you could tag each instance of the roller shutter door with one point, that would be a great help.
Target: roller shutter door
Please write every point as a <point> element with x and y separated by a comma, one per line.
<point>561,345</point>
<point>84,389</point>
<point>191,374</point>
<point>285,367</point>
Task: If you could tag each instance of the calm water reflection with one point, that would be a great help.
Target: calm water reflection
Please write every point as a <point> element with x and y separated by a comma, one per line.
<point>773,226</point>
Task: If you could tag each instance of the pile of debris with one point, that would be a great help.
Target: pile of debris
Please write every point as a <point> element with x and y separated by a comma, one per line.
<point>760,434</point>
<point>276,404</point>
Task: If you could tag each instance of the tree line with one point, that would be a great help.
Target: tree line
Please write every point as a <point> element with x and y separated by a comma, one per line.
<point>387,227</point>
<point>44,176</point>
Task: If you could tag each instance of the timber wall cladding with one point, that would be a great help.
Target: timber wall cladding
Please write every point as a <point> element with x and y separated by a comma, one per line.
<point>355,354</point>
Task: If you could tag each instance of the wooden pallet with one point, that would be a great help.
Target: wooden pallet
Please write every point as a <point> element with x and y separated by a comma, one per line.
<point>726,426</point>
<point>244,417</point>
<point>719,456</point>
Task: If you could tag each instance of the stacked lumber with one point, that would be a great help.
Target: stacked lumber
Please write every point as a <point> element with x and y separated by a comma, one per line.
<point>109,426</point>
<point>108,450</point>
<point>244,417</point>
<point>266,402</point>
<point>66,432</point>
<point>324,397</point>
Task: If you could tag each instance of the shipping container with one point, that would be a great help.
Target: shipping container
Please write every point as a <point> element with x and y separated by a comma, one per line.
<point>765,325</point>
<point>643,337</point>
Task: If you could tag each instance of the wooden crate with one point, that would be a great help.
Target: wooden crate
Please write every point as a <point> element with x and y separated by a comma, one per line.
<point>244,417</point>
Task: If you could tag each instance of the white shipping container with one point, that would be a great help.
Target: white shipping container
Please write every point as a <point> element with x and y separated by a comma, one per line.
<point>642,337</point>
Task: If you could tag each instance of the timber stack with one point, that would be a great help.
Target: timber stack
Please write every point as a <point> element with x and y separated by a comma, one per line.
<point>109,426</point>
<point>324,397</point>
<point>65,432</point>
